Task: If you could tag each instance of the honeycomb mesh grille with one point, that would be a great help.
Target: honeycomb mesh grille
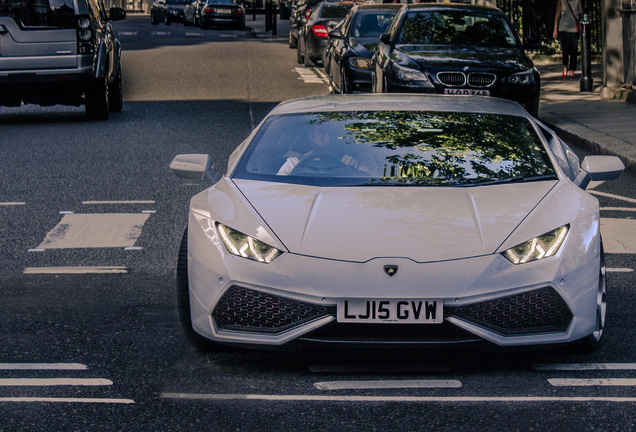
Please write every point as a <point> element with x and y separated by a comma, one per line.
<point>248,310</point>
<point>538,311</point>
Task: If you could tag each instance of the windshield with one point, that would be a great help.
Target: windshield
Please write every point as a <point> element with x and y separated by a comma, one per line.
<point>35,14</point>
<point>450,27</point>
<point>395,148</point>
<point>371,24</point>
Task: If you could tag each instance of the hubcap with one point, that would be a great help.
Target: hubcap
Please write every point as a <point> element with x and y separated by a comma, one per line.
<point>601,302</point>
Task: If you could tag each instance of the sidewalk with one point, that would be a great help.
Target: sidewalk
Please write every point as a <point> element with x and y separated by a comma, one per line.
<point>581,118</point>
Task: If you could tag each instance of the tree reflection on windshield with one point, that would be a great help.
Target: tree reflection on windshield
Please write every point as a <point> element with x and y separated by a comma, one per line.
<point>403,148</point>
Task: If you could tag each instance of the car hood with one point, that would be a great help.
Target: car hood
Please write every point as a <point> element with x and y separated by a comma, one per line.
<point>499,58</point>
<point>363,47</point>
<point>424,224</point>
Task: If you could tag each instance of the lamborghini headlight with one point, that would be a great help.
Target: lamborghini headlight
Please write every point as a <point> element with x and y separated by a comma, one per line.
<point>245,246</point>
<point>540,247</point>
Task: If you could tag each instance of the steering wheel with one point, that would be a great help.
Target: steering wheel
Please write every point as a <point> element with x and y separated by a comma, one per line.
<point>321,164</point>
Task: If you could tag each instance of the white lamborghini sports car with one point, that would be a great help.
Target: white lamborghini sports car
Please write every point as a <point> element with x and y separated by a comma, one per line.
<point>395,220</point>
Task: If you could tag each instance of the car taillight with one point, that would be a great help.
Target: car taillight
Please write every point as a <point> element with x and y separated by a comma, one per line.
<point>85,43</point>
<point>307,13</point>
<point>209,10</point>
<point>238,11</point>
<point>319,30</point>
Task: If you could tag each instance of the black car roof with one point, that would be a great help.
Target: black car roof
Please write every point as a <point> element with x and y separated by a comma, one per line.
<point>451,6</point>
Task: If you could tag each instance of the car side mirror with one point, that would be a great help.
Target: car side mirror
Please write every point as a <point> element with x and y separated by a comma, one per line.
<point>193,166</point>
<point>116,14</point>
<point>385,38</point>
<point>335,34</point>
<point>599,168</point>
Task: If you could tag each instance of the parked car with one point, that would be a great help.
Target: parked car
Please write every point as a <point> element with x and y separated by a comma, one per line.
<point>167,11</point>
<point>222,13</point>
<point>63,52</point>
<point>455,49</point>
<point>312,35</point>
<point>394,219</point>
<point>192,13</point>
<point>347,58</point>
<point>299,15</point>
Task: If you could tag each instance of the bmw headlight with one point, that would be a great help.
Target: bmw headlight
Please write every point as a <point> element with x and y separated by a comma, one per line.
<point>409,74</point>
<point>245,246</point>
<point>523,78</point>
<point>360,62</point>
<point>538,248</point>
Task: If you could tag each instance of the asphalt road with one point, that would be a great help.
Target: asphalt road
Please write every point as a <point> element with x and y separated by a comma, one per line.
<point>92,351</point>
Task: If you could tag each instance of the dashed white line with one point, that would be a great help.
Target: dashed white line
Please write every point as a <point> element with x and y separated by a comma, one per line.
<point>119,202</point>
<point>592,382</point>
<point>361,368</point>
<point>387,384</point>
<point>76,270</point>
<point>42,366</point>
<point>619,270</point>
<point>45,382</point>
<point>627,209</point>
<point>67,400</point>
<point>17,203</point>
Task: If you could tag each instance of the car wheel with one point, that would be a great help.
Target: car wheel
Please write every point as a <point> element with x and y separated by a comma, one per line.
<point>116,93</point>
<point>97,99</point>
<point>166,19</point>
<point>590,343</point>
<point>344,85</point>
<point>186,23</point>
<point>293,43</point>
<point>299,53</point>
<point>307,61</point>
<point>183,299</point>
<point>153,20</point>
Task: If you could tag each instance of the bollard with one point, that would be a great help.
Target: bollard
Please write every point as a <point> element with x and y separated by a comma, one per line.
<point>586,82</point>
<point>268,15</point>
<point>274,31</point>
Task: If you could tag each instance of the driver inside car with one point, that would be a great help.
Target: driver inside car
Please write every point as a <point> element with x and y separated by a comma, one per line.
<point>322,149</point>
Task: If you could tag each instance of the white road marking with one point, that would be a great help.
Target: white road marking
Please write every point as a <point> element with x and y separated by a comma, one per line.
<point>159,33</point>
<point>583,366</point>
<point>311,75</point>
<point>427,399</point>
<point>609,195</point>
<point>101,230</point>
<point>387,384</point>
<point>617,237</point>
<point>133,248</point>
<point>592,382</point>
<point>76,270</point>
<point>619,270</point>
<point>21,382</point>
<point>195,34</point>
<point>627,209</point>
<point>149,211</point>
<point>35,250</point>
<point>127,33</point>
<point>65,212</point>
<point>42,366</point>
<point>12,203</point>
<point>66,400</point>
<point>118,202</point>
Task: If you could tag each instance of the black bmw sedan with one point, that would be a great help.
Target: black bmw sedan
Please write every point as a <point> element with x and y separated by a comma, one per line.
<point>347,58</point>
<point>455,49</point>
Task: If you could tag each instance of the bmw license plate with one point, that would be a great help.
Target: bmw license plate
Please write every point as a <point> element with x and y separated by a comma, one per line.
<point>224,11</point>
<point>469,92</point>
<point>406,311</point>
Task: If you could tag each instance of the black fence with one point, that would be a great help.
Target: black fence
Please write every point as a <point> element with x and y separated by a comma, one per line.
<point>534,21</point>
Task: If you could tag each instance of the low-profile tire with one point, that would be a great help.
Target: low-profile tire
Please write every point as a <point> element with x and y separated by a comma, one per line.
<point>166,19</point>
<point>183,299</point>
<point>307,61</point>
<point>293,43</point>
<point>153,20</point>
<point>591,342</point>
<point>344,85</point>
<point>116,93</point>
<point>299,54</point>
<point>97,100</point>
<point>186,23</point>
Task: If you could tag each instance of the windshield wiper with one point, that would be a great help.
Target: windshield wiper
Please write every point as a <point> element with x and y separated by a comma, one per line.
<point>515,180</point>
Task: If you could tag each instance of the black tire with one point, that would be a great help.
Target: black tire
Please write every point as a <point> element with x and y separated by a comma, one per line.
<point>307,62</point>
<point>299,54</point>
<point>591,342</point>
<point>344,85</point>
<point>153,20</point>
<point>185,22</point>
<point>183,299</point>
<point>116,93</point>
<point>293,43</point>
<point>166,19</point>
<point>97,100</point>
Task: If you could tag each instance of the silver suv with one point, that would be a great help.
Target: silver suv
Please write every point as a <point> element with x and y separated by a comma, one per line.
<point>60,52</point>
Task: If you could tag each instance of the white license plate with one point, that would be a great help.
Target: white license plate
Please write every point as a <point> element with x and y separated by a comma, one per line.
<point>224,11</point>
<point>407,311</point>
<point>469,92</point>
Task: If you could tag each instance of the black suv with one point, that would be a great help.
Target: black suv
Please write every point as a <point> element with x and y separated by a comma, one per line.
<point>60,52</point>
